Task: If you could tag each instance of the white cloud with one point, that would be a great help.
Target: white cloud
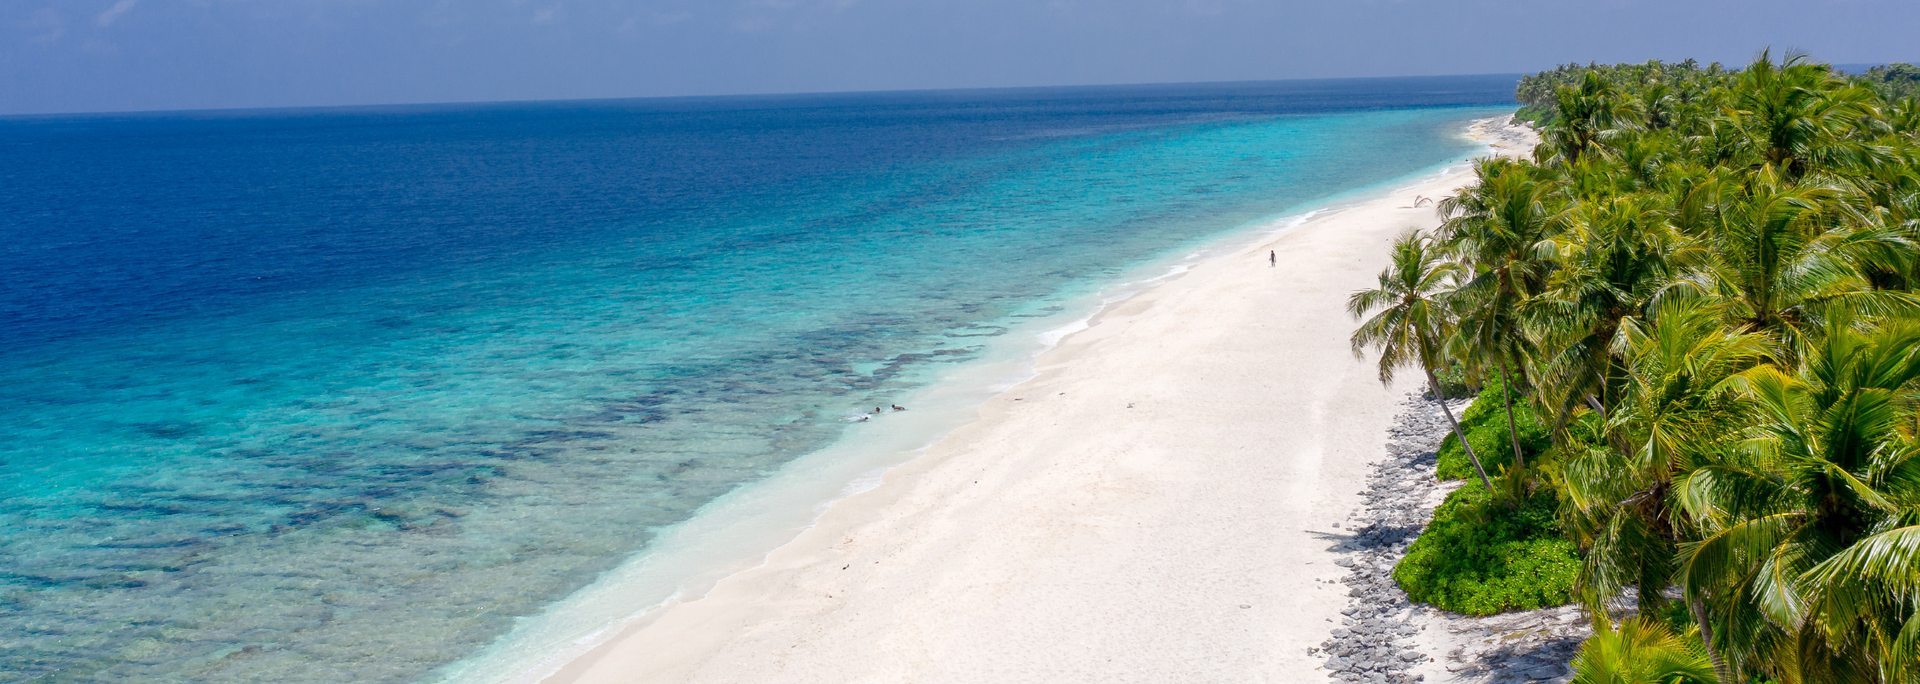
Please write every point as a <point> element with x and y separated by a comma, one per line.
<point>47,26</point>
<point>115,11</point>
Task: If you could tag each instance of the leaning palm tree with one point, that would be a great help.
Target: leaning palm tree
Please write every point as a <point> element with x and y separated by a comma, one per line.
<point>1412,321</point>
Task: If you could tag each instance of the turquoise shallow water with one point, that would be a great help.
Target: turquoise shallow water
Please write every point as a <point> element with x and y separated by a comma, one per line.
<point>338,395</point>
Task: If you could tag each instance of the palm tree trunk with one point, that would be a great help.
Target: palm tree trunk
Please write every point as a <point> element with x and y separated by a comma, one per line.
<point>1457,432</point>
<point>1506,392</point>
<point>1699,611</point>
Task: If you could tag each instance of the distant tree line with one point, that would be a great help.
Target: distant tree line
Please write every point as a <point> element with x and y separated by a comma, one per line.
<point>1680,84</point>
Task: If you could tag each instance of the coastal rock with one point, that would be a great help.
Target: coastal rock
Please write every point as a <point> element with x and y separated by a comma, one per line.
<point>1383,633</point>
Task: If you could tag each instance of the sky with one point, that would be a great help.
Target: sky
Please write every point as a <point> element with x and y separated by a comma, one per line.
<point>130,55</point>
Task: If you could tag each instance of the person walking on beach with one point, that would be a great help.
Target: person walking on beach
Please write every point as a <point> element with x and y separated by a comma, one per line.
<point>1272,260</point>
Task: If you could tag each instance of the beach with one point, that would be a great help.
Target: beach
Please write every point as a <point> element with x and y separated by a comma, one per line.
<point>1160,503</point>
<point>398,456</point>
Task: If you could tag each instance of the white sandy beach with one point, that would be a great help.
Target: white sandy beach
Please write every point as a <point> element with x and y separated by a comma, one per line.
<point>1156,506</point>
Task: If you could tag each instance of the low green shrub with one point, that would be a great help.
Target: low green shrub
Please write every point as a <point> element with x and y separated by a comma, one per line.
<point>1535,115</point>
<point>1481,556</point>
<point>1485,423</point>
<point>1644,650</point>
<point>1454,380</point>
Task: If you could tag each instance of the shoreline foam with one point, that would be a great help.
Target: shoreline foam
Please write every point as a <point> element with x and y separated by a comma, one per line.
<point>728,633</point>
<point>635,592</point>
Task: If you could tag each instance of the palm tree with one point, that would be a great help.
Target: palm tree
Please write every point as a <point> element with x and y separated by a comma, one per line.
<point>1791,115</point>
<point>1659,106</point>
<point>1831,465</point>
<point>1583,115</point>
<point>1412,320</point>
<point>1503,227</point>
<point>1642,651</point>
<point>1903,115</point>
<point>1677,407</point>
<point>1782,256</point>
<point>1711,277</point>
<point>1872,584</point>
<point>1615,257</point>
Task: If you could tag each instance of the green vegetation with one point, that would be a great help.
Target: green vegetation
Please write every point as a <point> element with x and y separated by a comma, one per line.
<point>1685,85</point>
<point>1704,288</point>
<point>1895,81</point>
<point>1486,426</point>
<point>1411,324</point>
<point>1455,382</point>
<point>1643,651</point>
<point>1481,555</point>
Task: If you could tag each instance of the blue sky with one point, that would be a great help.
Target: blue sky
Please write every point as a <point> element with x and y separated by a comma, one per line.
<point>113,55</point>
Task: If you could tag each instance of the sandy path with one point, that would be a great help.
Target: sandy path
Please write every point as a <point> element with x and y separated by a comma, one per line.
<point>1157,506</point>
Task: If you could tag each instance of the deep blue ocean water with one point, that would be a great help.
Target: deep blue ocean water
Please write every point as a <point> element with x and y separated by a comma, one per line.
<point>335,395</point>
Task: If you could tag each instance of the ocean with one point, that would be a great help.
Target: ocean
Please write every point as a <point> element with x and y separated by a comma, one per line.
<point>433,393</point>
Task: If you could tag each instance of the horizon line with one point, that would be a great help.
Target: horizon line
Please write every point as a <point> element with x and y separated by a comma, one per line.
<point>1855,68</point>
<point>721,96</point>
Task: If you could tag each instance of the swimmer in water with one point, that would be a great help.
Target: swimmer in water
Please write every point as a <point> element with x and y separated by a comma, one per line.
<point>898,407</point>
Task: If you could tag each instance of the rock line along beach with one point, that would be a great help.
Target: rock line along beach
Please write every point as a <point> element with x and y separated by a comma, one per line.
<point>1161,503</point>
